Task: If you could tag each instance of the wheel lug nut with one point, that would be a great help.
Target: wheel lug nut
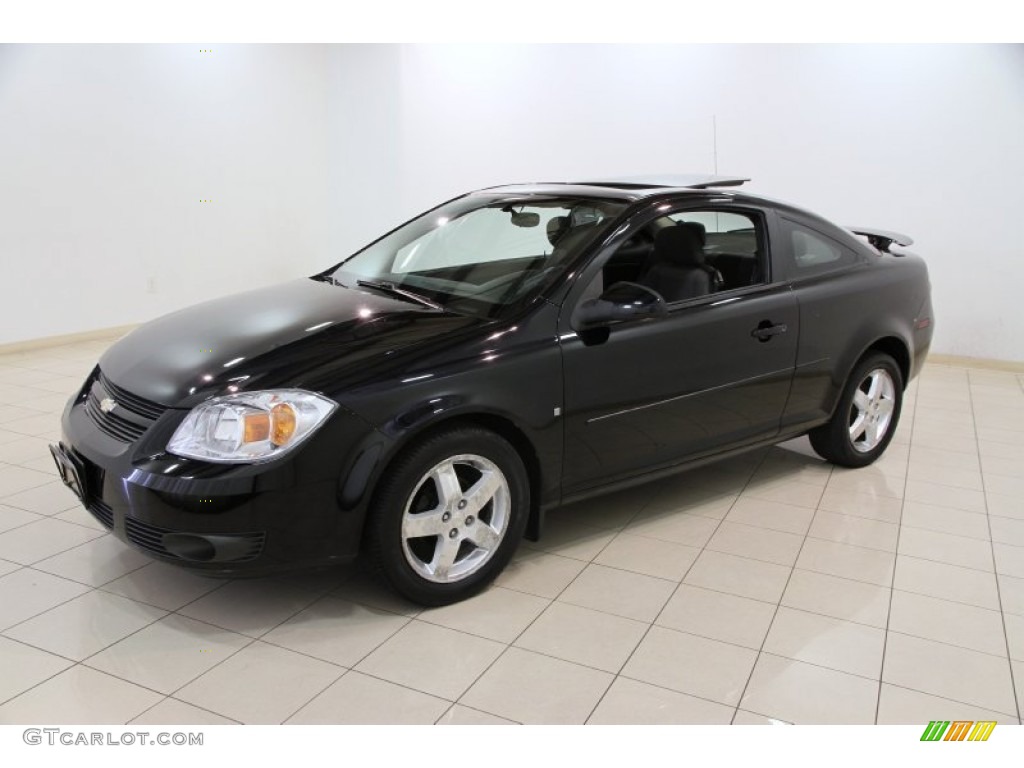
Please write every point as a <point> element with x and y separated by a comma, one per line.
<point>454,532</point>
<point>446,517</point>
<point>469,520</point>
<point>462,504</point>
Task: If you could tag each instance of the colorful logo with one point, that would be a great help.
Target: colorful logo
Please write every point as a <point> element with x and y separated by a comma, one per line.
<point>958,730</point>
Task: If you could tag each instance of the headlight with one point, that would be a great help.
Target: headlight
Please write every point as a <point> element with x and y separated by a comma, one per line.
<point>250,427</point>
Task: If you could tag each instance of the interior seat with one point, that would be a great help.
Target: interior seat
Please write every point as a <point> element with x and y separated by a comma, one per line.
<point>678,271</point>
<point>557,227</point>
<point>698,229</point>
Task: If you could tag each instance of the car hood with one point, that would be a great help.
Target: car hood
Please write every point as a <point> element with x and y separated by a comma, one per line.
<point>305,333</point>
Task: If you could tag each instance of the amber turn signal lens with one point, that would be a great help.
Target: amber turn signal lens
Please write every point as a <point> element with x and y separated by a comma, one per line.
<point>283,416</point>
<point>256,427</point>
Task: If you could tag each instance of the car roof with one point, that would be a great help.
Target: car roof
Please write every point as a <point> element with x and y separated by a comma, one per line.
<point>623,187</point>
<point>633,189</point>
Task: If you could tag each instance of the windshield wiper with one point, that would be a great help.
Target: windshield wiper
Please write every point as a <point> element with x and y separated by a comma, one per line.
<point>389,287</point>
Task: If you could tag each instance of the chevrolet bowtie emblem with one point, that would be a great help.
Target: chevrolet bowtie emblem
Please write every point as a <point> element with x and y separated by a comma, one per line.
<point>107,404</point>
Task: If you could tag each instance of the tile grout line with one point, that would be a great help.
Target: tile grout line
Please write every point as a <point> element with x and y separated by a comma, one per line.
<point>475,680</point>
<point>794,608</point>
<point>50,608</point>
<point>946,698</point>
<point>33,522</point>
<point>48,481</point>
<point>91,589</point>
<point>352,669</point>
<point>621,529</point>
<point>175,690</point>
<point>475,709</point>
<point>49,677</point>
<point>896,556</point>
<point>765,602</point>
<point>344,670</point>
<point>81,662</point>
<point>252,641</point>
<point>347,669</point>
<point>675,591</point>
<point>679,584</point>
<point>552,601</point>
<point>995,566</point>
<point>168,697</point>
<point>83,583</point>
<point>760,651</point>
<point>916,557</point>
<point>91,669</point>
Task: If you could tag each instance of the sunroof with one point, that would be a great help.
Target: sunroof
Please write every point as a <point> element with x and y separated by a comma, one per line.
<point>691,181</point>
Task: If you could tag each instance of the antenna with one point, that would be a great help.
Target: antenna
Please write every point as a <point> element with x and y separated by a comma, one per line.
<point>714,139</point>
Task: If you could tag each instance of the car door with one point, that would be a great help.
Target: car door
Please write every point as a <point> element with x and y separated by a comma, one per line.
<point>713,374</point>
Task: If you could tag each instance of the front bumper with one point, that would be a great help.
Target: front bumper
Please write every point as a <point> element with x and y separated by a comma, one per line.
<point>218,518</point>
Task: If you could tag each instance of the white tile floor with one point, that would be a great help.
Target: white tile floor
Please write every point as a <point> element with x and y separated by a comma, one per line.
<point>768,587</point>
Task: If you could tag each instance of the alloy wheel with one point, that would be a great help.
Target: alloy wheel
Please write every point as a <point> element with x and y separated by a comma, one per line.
<point>455,518</point>
<point>871,410</point>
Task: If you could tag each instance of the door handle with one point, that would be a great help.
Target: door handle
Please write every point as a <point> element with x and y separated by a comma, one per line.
<point>766,329</point>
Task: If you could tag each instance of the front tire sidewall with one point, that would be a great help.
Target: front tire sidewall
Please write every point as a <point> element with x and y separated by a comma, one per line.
<point>832,441</point>
<point>398,485</point>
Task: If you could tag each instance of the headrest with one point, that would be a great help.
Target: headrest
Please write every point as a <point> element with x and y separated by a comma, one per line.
<point>680,246</point>
<point>557,227</point>
<point>698,229</point>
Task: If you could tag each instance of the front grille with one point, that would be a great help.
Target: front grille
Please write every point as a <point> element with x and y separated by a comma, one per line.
<point>137,405</point>
<point>102,512</point>
<point>117,427</point>
<point>151,538</point>
<point>131,417</point>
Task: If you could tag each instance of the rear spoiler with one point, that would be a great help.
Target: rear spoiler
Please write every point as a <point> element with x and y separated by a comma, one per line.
<point>882,238</point>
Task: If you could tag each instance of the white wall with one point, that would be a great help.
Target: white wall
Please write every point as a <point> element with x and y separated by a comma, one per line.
<point>366,161</point>
<point>105,154</point>
<point>921,139</point>
<point>309,152</point>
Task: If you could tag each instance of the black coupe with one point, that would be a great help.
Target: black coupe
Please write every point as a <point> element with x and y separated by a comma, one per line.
<point>427,399</point>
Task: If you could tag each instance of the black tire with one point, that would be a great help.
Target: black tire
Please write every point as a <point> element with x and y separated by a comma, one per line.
<point>408,485</point>
<point>833,441</point>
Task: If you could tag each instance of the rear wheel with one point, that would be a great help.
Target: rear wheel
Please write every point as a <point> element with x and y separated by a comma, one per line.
<point>866,416</point>
<point>449,515</point>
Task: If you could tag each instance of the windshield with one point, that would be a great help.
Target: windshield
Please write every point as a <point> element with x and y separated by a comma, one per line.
<point>479,255</point>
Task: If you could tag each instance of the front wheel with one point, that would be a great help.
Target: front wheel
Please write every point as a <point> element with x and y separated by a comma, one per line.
<point>866,416</point>
<point>449,515</point>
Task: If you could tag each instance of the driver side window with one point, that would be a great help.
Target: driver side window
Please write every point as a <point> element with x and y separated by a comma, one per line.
<point>689,254</point>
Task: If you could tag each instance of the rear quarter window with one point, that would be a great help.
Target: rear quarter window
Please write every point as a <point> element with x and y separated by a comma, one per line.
<point>812,252</point>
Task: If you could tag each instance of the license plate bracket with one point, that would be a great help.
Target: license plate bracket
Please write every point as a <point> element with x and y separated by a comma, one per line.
<point>71,471</point>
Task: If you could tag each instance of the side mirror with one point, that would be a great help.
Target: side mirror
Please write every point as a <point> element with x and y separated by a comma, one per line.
<point>622,301</point>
